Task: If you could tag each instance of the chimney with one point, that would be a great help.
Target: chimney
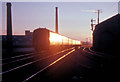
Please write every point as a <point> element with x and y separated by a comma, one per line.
<point>9,20</point>
<point>9,29</point>
<point>56,19</point>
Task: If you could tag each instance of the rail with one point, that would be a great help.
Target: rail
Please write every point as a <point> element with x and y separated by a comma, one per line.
<point>49,65</point>
<point>34,61</point>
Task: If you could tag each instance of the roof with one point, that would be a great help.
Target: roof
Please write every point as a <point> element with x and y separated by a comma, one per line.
<point>110,24</point>
<point>113,19</point>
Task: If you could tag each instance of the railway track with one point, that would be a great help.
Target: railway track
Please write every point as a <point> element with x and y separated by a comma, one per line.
<point>60,70</point>
<point>100,56</point>
<point>29,65</point>
<point>54,67</point>
<point>109,65</point>
<point>92,55</point>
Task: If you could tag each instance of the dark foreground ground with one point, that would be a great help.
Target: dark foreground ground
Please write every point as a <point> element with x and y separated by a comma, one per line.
<point>78,66</point>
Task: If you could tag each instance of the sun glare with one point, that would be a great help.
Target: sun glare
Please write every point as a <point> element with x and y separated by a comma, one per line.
<point>60,40</point>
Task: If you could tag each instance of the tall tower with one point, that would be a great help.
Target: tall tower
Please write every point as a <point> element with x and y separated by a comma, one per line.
<point>9,20</point>
<point>9,28</point>
<point>56,19</point>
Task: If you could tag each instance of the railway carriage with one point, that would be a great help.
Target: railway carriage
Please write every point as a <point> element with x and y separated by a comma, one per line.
<point>44,39</point>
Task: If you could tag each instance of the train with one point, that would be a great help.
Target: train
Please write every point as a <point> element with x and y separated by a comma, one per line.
<point>44,39</point>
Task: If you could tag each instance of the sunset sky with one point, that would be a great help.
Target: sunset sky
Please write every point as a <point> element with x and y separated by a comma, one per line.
<point>74,17</point>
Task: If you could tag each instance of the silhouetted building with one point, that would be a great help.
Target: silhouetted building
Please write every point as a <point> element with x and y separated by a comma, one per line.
<point>106,36</point>
<point>19,42</point>
<point>28,33</point>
